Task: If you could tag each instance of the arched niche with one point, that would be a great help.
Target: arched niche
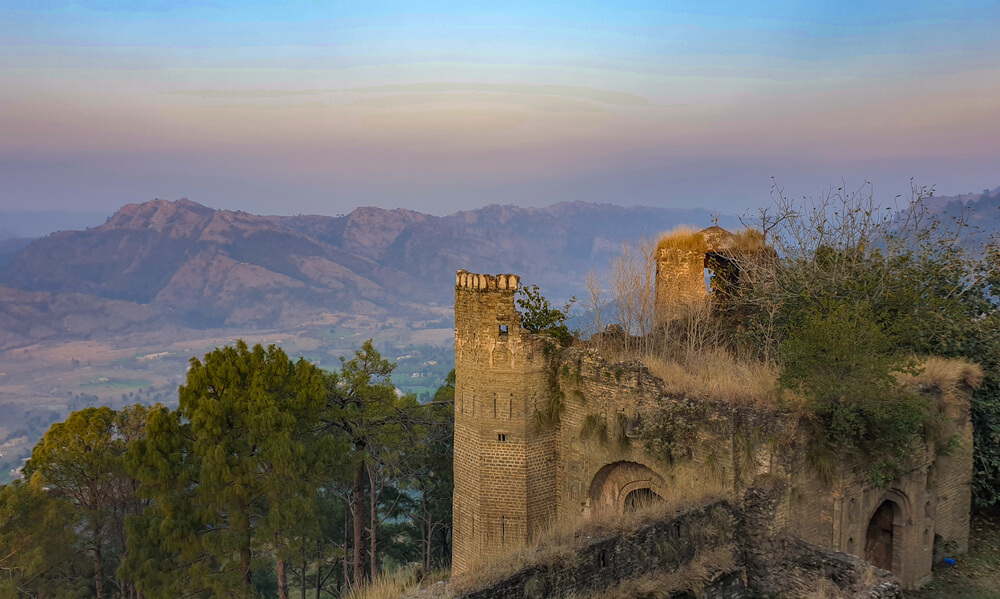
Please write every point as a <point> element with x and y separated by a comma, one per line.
<point>624,486</point>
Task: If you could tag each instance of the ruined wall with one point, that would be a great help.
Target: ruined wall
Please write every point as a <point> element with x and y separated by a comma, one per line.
<point>618,435</point>
<point>504,469</point>
<point>929,502</point>
<point>620,432</point>
<point>701,552</point>
<point>661,547</point>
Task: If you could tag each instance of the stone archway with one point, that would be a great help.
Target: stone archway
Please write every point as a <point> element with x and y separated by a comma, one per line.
<point>624,486</point>
<point>884,537</point>
<point>878,539</point>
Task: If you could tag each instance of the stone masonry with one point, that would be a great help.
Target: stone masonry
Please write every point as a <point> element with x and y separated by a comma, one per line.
<point>613,435</point>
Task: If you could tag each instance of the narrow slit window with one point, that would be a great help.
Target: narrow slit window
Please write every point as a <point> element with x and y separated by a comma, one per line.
<point>502,437</point>
<point>503,331</point>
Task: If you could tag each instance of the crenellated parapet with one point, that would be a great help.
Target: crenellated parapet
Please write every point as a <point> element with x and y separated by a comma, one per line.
<point>468,280</point>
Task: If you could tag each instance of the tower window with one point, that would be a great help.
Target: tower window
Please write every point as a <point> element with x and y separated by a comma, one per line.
<point>502,437</point>
<point>503,331</point>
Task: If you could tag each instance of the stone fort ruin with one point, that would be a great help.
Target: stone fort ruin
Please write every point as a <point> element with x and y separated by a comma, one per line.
<point>615,439</point>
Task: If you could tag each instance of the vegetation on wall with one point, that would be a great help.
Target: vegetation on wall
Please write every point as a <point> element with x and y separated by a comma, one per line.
<point>858,292</point>
<point>538,315</point>
<point>822,306</point>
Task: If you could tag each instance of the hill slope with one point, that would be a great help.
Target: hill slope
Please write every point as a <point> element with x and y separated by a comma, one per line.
<point>160,262</point>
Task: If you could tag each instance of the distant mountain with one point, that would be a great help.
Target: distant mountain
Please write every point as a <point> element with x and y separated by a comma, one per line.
<point>180,262</point>
<point>981,211</point>
<point>5,234</point>
<point>35,223</point>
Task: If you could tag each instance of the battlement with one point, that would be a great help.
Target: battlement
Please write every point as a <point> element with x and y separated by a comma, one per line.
<point>468,280</point>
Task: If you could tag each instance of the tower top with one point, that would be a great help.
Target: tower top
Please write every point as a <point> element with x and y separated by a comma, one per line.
<point>468,280</point>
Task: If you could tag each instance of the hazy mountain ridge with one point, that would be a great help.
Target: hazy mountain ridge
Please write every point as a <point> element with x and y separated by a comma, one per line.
<point>977,210</point>
<point>184,263</point>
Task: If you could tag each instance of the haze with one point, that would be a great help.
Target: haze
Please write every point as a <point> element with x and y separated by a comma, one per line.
<point>443,106</point>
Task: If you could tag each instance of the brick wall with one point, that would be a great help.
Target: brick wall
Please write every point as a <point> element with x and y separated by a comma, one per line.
<point>504,469</point>
<point>514,478</point>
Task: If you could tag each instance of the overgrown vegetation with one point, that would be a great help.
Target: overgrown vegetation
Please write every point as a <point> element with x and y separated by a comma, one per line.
<point>271,477</point>
<point>538,315</point>
<point>822,306</point>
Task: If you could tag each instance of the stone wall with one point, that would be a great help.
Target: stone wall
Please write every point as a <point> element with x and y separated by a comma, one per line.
<point>543,434</point>
<point>664,554</point>
<point>668,545</point>
<point>505,478</point>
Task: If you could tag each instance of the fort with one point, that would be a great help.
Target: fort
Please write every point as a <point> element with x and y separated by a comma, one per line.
<point>545,434</point>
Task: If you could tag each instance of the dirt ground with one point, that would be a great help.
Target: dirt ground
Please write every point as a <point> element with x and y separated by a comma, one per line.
<point>975,575</point>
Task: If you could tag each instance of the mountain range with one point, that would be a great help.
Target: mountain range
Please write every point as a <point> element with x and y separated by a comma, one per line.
<point>181,264</point>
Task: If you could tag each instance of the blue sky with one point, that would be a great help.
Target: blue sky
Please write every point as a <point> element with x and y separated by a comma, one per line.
<point>320,107</point>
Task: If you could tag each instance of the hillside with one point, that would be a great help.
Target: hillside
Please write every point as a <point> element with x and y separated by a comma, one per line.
<point>978,210</point>
<point>180,262</point>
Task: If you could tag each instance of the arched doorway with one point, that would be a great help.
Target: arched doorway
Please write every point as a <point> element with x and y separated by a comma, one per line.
<point>624,487</point>
<point>640,499</point>
<point>880,541</point>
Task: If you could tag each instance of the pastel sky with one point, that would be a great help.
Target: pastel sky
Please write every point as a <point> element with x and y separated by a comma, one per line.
<point>319,107</point>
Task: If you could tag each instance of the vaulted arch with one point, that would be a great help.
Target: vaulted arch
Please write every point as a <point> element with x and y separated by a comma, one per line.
<point>624,486</point>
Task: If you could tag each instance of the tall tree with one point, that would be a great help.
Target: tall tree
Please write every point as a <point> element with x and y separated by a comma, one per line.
<point>362,404</point>
<point>231,471</point>
<point>82,460</point>
<point>40,551</point>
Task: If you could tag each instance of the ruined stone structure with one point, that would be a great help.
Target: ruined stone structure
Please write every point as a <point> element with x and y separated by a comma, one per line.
<point>543,434</point>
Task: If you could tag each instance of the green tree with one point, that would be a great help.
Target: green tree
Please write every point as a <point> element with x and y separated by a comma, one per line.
<point>431,479</point>
<point>40,553</point>
<point>82,460</point>
<point>230,472</point>
<point>915,285</point>
<point>538,315</point>
<point>382,428</point>
<point>843,362</point>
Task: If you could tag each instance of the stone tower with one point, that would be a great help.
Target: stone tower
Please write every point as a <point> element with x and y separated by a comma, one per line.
<point>680,271</point>
<point>505,466</point>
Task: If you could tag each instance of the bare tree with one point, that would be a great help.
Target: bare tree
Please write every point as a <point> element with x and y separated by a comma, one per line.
<point>633,281</point>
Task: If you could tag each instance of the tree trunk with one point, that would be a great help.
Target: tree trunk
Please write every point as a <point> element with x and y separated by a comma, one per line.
<point>374,520</point>
<point>245,559</point>
<point>98,572</point>
<point>347,544</point>
<point>282,574</point>
<point>302,577</point>
<point>359,481</point>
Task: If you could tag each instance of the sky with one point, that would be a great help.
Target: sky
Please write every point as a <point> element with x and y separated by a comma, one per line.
<point>320,107</point>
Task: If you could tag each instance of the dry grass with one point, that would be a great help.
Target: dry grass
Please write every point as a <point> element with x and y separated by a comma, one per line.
<point>561,545</point>
<point>661,585</point>
<point>715,375</point>
<point>748,242</point>
<point>682,238</point>
<point>388,585</point>
<point>947,375</point>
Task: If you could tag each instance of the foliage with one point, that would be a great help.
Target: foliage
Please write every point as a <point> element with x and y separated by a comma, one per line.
<point>40,551</point>
<point>230,472</point>
<point>882,284</point>
<point>82,460</point>
<point>538,315</point>
<point>249,489</point>
<point>841,359</point>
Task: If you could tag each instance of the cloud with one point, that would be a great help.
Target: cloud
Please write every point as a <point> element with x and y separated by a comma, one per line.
<point>246,93</point>
<point>465,121</point>
<point>614,98</point>
<point>600,96</point>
